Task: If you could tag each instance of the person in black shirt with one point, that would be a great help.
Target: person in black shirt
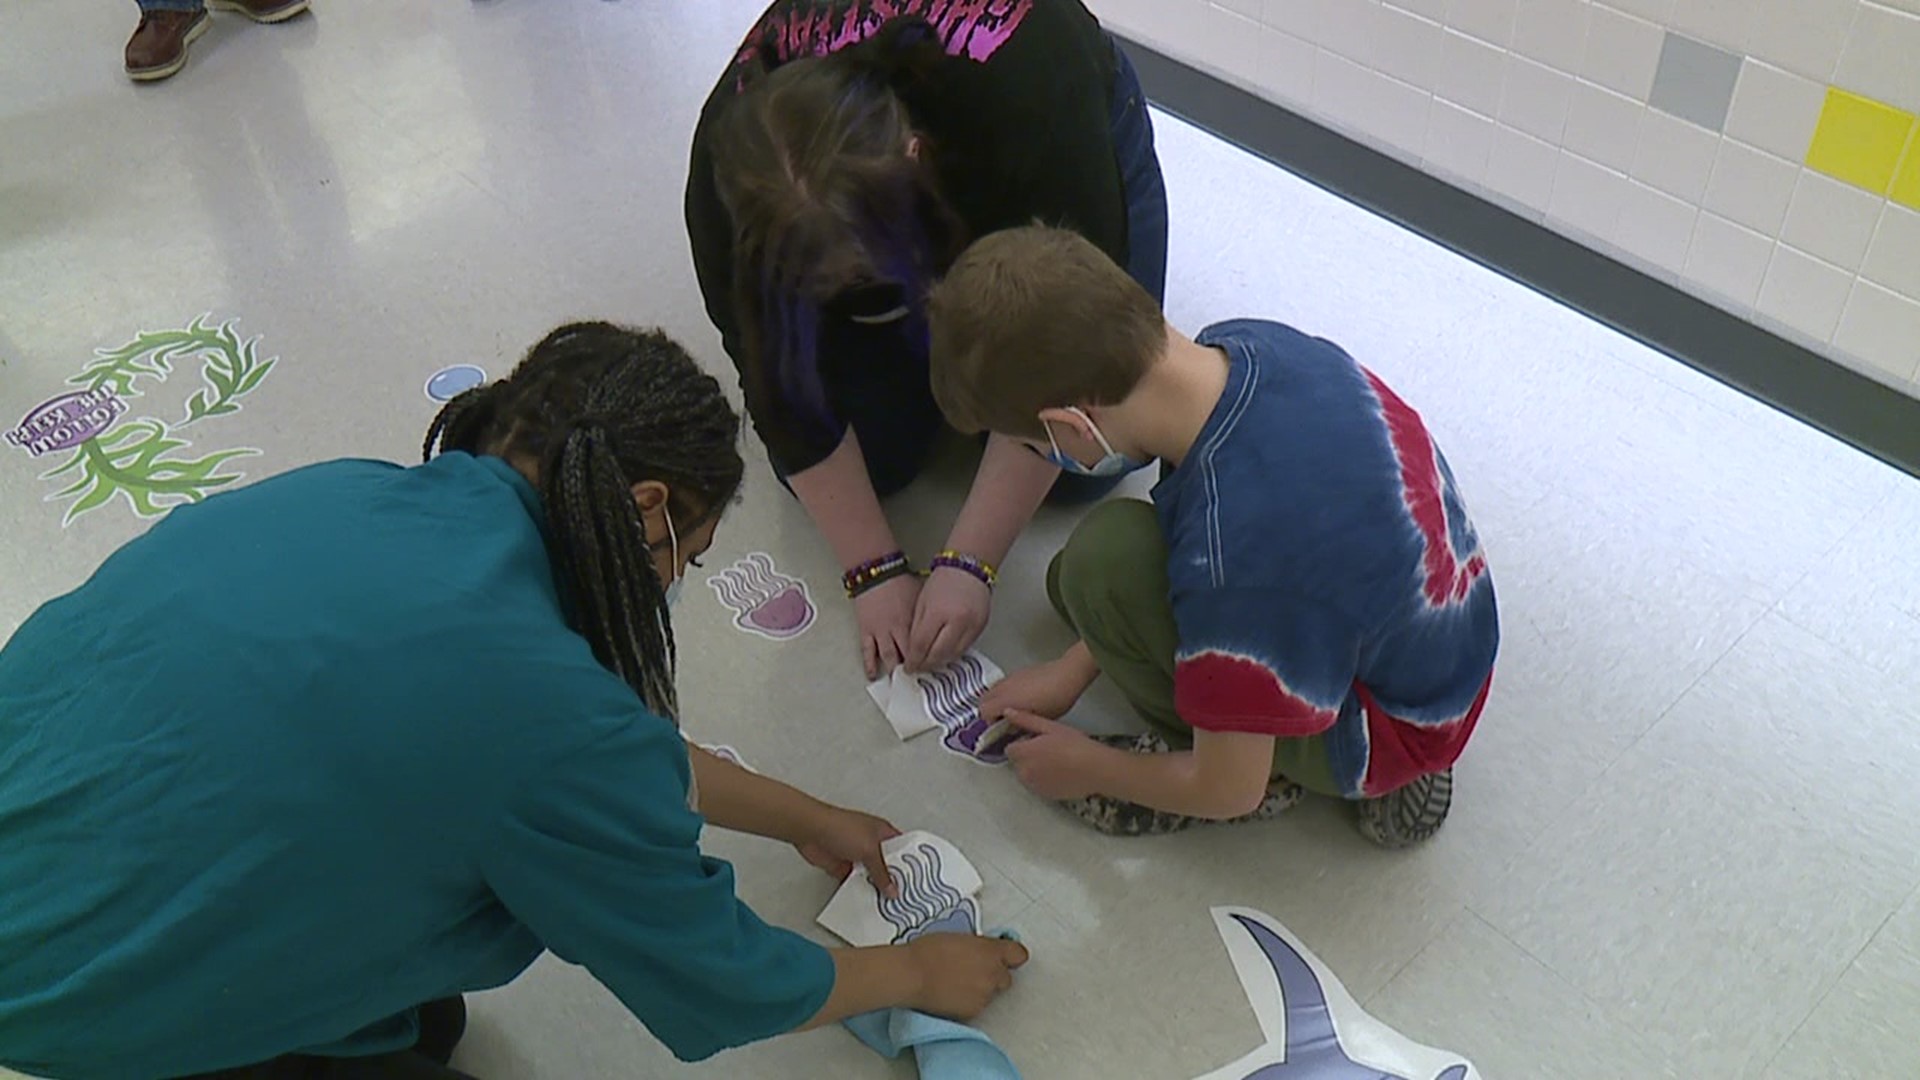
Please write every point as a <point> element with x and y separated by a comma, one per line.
<point>848,154</point>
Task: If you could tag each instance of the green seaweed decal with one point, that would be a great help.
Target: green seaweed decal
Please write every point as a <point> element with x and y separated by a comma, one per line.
<point>145,461</point>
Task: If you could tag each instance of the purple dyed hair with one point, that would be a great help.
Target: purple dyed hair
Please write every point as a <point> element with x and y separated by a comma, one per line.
<point>812,164</point>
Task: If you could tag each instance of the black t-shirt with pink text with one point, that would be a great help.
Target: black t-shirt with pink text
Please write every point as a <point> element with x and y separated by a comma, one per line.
<point>1019,112</point>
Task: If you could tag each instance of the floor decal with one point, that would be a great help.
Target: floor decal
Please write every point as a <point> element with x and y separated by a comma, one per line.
<point>146,461</point>
<point>947,700</point>
<point>450,382</point>
<point>763,600</point>
<point>939,893</point>
<point>1313,1027</point>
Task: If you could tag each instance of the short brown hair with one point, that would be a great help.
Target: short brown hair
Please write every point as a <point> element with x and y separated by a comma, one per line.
<point>1037,318</point>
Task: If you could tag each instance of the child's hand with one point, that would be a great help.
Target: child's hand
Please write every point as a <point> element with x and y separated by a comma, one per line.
<point>1055,761</point>
<point>1048,690</point>
<point>953,609</point>
<point>885,614</point>
<point>960,974</point>
<point>840,839</point>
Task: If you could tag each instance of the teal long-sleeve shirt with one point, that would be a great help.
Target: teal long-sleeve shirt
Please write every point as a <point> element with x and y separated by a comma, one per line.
<point>315,752</point>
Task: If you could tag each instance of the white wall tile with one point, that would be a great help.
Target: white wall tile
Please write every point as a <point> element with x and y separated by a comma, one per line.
<point>1804,293</point>
<point>1535,99</point>
<point>1659,11</point>
<point>1802,36</point>
<point>1831,219</point>
<point>1883,330</point>
<point>1397,115</point>
<point>1586,197</point>
<point>1488,20</point>
<point>1392,115</point>
<point>1301,18</point>
<point>1553,32</point>
<point>1751,187</point>
<point>1347,27</point>
<point>1717,22</point>
<point>1339,90</point>
<point>1622,52</point>
<point>1882,57</point>
<point>1775,110</point>
<point>1472,73</point>
<point>1282,68</point>
<point>1229,44</point>
<point>1252,9</point>
<point>1521,168</point>
<point>1406,46</point>
<point>1426,9</point>
<point>1674,156</point>
<point>1893,259</point>
<point>1458,142</point>
<point>1603,126</point>
<point>1728,260</point>
<point>1655,226</point>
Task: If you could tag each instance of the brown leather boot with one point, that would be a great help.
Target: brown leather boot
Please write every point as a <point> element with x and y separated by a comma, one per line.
<point>263,11</point>
<point>158,47</point>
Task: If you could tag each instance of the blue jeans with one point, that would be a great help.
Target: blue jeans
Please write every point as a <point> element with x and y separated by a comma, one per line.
<point>171,5</point>
<point>892,410</point>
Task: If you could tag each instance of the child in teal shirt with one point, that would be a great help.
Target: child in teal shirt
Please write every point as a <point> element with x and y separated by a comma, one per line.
<point>359,739</point>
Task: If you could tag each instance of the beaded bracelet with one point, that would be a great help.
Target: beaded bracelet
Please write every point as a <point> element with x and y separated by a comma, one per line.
<point>959,560</point>
<point>875,572</point>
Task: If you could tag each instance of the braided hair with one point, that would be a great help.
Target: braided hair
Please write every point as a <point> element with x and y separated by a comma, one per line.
<point>598,408</point>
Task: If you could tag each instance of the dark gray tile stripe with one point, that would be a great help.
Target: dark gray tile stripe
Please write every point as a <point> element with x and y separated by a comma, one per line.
<point>1849,406</point>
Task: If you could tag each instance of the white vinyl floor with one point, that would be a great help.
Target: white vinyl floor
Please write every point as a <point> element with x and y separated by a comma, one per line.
<point>1686,840</point>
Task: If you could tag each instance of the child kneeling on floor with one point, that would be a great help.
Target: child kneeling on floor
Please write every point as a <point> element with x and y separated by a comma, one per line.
<point>1303,606</point>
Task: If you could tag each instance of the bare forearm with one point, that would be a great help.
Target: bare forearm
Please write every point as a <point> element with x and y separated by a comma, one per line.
<point>840,499</point>
<point>1079,660</point>
<point>1169,782</point>
<point>1223,776</point>
<point>864,980</point>
<point>742,801</point>
<point>1011,484</point>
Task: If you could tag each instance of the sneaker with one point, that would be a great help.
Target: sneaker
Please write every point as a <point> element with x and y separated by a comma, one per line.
<point>158,47</point>
<point>1117,817</point>
<point>1409,815</point>
<point>263,11</point>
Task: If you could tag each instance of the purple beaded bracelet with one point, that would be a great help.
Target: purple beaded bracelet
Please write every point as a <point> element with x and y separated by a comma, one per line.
<point>959,560</point>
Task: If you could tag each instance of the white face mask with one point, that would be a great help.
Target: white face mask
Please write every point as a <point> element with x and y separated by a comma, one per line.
<point>1113,463</point>
<point>679,575</point>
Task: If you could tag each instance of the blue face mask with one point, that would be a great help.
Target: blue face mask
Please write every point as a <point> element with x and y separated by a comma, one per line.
<point>1113,463</point>
<point>679,577</point>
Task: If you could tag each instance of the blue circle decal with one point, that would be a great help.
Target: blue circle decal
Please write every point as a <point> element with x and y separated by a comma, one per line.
<point>450,382</point>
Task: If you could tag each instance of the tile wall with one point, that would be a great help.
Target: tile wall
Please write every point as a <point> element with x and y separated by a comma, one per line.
<point>1761,154</point>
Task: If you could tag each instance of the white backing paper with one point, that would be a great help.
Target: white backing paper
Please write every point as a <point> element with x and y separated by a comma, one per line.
<point>1314,1029</point>
<point>939,893</point>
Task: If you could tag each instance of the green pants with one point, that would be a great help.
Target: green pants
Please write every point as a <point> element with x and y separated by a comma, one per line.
<point>1110,584</point>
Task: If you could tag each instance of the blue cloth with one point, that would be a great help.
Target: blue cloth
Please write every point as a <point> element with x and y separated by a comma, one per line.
<point>1325,576</point>
<point>309,754</point>
<point>944,1049</point>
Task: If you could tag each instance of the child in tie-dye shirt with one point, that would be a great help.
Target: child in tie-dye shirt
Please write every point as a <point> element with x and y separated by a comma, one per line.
<point>1305,603</point>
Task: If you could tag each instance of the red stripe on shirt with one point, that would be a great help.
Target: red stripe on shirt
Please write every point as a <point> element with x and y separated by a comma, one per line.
<point>1401,752</point>
<point>1447,579</point>
<point>1216,691</point>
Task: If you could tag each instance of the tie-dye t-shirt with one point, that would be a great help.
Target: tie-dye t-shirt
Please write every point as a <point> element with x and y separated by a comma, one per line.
<point>1325,576</point>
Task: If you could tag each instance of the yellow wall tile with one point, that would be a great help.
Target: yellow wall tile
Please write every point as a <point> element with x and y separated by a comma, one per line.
<point>1859,140</point>
<point>1906,186</point>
